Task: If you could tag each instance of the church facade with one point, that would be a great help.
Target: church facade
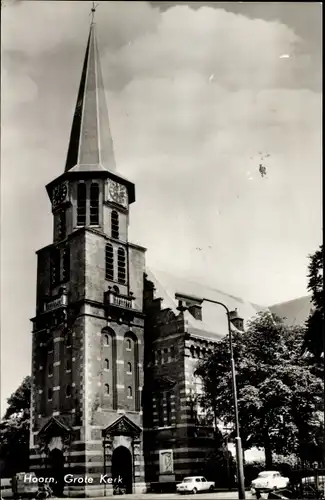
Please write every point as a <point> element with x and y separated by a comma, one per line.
<point>114,344</point>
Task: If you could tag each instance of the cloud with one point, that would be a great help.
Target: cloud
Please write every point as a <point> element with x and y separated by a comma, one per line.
<point>186,139</point>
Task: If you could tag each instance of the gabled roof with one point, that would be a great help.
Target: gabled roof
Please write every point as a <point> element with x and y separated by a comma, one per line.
<point>214,321</point>
<point>122,425</point>
<point>91,145</point>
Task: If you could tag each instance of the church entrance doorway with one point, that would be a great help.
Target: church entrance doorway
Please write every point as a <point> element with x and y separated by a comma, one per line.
<point>122,468</point>
<point>56,461</point>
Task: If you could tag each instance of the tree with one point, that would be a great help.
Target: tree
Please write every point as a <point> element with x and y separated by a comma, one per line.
<point>14,431</point>
<point>314,338</point>
<point>277,392</point>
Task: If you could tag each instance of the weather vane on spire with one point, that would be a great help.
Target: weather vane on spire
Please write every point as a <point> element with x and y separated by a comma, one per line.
<point>92,12</point>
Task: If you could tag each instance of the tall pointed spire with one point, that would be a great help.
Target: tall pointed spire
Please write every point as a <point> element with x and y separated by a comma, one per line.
<point>91,145</point>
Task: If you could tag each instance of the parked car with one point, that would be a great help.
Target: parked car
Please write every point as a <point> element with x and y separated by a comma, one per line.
<point>267,481</point>
<point>194,484</point>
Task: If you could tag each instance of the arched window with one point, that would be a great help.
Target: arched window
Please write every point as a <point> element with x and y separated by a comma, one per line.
<point>129,392</point>
<point>68,365</point>
<point>50,370</point>
<point>129,368</point>
<point>68,391</point>
<point>94,204</point>
<point>49,394</point>
<point>81,204</point>
<point>109,261</point>
<point>116,289</point>
<point>115,230</point>
<point>106,390</point>
<point>106,340</point>
<point>128,344</point>
<point>106,364</point>
<point>121,265</point>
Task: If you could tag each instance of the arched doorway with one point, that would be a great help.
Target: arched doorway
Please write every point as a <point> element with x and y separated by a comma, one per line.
<point>122,468</point>
<point>56,462</point>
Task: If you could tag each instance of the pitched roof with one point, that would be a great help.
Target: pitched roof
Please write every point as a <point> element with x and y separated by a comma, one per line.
<point>293,312</point>
<point>91,146</point>
<point>214,321</point>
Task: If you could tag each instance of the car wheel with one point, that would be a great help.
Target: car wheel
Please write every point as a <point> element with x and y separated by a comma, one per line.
<point>194,491</point>
<point>211,488</point>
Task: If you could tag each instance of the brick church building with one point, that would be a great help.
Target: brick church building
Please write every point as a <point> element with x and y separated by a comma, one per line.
<point>115,344</point>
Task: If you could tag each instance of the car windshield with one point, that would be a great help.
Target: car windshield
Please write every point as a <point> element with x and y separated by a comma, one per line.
<point>187,480</point>
<point>265,474</point>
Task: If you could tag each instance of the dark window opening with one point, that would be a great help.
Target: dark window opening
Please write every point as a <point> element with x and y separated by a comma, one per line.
<point>68,391</point>
<point>106,389</point>
<point>160,410</point>
<point>66,264</point>
<point>109,260</point>
<point>168,409</point>
<point>81,205</point>
<point>61,225</point>
<point>94,205</point>
<point>106,364</point>
<point>106,340</point>
<point>121,265</point>
<point>55,266</point>
<point>129,392</point>
<point>68,365</point>
<point>49,394</point>
<point>50,369</point>
<point>115,230</point>
<point>129,368</point>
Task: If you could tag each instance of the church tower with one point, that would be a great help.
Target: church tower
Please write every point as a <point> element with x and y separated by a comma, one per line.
<point>87,354</point>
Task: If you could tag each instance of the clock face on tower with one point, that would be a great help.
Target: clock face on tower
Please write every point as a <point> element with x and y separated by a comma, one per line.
<point>59,194</point>
<point>117,193</point>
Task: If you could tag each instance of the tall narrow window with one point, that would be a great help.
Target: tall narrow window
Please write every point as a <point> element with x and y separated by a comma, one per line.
<point>61,225</point>
<point>168,409</point>
<point>68,391</point>
<point>160,410</point>
<point>121,265</point>
<point>50,370</point>
<point>55,266</point>
<point>129,392</point>
<point>106,364</point>
<point>81,205</point>
<point>129,368</point>
<point>109,262</point>
<point>68,365</point>
<point>66,265</point>
<point>49,394</point>
<point>115,230</point>
<point>106,390</point>
<point>94,204</point>
<point>128,344</point>
<point>106,340</point>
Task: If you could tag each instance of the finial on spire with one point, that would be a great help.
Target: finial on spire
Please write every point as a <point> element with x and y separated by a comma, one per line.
<point>92,12</point>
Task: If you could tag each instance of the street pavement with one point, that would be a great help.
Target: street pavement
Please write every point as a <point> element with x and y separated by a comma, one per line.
<point>223,495</point>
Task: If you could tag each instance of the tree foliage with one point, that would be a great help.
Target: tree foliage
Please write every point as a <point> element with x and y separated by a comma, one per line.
<point>314,338</point>
<point>278,395</point>
<point>14,431</point>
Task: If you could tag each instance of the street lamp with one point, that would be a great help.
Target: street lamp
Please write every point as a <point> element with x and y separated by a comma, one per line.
<point>239,451</point>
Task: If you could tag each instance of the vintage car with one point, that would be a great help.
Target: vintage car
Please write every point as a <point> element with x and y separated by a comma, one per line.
<point>194,484</point>
<point>267,481</point>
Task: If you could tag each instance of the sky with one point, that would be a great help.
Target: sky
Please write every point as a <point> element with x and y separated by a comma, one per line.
<point>198,96</point>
